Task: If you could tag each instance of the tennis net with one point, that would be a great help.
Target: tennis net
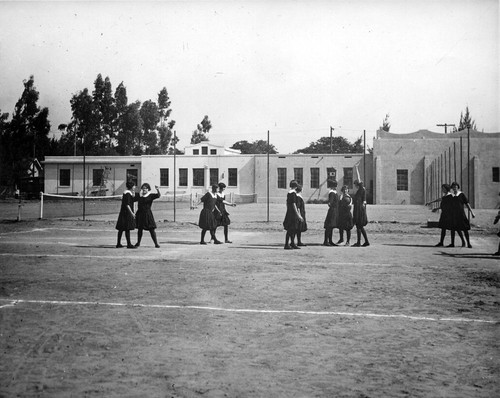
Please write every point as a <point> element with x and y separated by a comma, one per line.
<point>66,206</point>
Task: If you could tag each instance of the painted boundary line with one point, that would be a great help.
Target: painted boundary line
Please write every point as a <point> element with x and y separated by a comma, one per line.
<point>12,303</point>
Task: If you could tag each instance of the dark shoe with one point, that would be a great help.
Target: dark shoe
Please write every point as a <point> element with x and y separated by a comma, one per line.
<point>294,246</point>
<point>119,246</point>
<point>340,241</point>
<point>137,244</point>
<point>203,243</point>
<point>131,247</point>
<point>469,246</point>
<point>332,244</point>
<point>288,247</point>
<point>463,244</point>
<point>366,244</point>
<point>228,241</point>
<point>217,242</point>
<point>326,244</point>
<point>451,245</point>
<point>440,244</point>
<point>301,244</point>
<point>357,244</point>
<point>347,243</point>
<point>496,254</point>
<point>157,246</point>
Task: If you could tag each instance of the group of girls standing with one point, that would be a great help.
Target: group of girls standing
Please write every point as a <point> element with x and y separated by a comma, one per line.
<point>214,214</point>
<point>142,220</point>
<point>338,215</point>
<point>453,217</point>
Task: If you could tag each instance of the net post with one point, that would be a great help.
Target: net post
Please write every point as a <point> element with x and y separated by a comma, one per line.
<point>41,205</point>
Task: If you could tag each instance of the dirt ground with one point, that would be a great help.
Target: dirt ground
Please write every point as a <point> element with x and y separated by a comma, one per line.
<point>400,318</point>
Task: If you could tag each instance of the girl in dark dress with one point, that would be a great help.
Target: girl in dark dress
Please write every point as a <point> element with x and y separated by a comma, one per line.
<point>221,215</point>
<point>292,217</point>
<point>459,218</point>
<point>332,216</point>
<point>359,214</point>
<point>302,210</point>
<point>126,218</point>
<point>445,219</point>
<point>144,215</point>
<point>345,216</point>
<point>207,220</point>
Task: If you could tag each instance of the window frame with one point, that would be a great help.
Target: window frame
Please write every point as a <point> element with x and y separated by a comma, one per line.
<point>281,180</point>
<point>65,177</point>
<point>164,171</point>
<point>402,180</point>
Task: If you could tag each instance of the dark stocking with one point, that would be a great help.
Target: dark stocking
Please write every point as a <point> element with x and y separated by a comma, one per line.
<point>348,233</point>
<point>364,235</point>
<point>119,239</point>
<point>226,232</point>
<point>139,237</point>
<point>203,232</point>
<point>127,236</point>
<point>153,236</point>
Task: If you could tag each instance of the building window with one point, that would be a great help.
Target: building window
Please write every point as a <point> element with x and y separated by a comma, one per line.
<point>348,177</point>
<point>496,176</point>
<point>64,177</point>
<point>298,175</point>
<point>331,173</point>
<point>132,176</point>
<point>204,150</point>
<point>281,177</point>
<point>196,151</point>
<point>183,177</point>
<point>214,176</point>
<point>402,180</point>
<point>164,177</point>
<point>199,177</point>
<point>314,177</point>
<point>97,175</point>
<point>213,151</point>
<point>232,177</point>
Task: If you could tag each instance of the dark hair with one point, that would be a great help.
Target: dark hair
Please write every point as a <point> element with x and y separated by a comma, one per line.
<point>331,184</point>
<point>129,184</point>
<point>455,184</point>
<point>146,185</point>
<point>214,187</point>
<point>446,186</point>
<point>299,188</point>
<point>358,183</point>
<point>344,187</point>
<point>222,185</point>
<point>293,184</point>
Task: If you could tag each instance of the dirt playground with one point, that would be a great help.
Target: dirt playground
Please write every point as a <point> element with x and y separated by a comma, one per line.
<point>400,318</point>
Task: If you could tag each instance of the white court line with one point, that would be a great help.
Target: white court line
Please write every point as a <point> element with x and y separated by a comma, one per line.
<point>254,311</point>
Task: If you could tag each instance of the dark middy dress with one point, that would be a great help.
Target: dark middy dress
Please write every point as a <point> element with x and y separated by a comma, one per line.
<point>144,216</point>
<point>332,216</point>
<point>460,221</point>
<point>207,219</point>
<point>221,217</point>
<point>359,213</point>
<point>126,222</point>
<point>445,219</point>
<point>291,222</point>
<point>301,207</point>
<point>345,216</point>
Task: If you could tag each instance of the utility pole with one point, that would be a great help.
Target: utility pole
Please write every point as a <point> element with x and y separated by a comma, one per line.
<point>331,143</point>
<point>446,125</point>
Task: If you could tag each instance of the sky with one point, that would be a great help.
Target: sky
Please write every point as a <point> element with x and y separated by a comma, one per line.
<point>290,67</point>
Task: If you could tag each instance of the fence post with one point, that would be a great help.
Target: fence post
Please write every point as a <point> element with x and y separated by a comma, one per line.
<point>41,205</point>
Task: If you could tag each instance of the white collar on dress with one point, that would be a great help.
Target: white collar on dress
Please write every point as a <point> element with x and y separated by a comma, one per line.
<point>458,193</point>
<point>127,191</point>
<point>145,195</point>
<point>299,194</point>
<point>292,190</point>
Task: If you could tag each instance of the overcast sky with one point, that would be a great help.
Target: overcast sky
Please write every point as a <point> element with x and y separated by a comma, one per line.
<point>294,68</point>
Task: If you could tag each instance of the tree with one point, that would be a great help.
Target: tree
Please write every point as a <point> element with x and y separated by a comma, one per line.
<point>83,119</point>
<point>202,129</point>
<point>150,116</point>
<point>339,145</point>
<point>466,121</point>
<point>386,126</point>
<point>129,138</point>
<point>26,136</point>
<point>165,131</point>
<point>258,146</point>
<point>4,148</point>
